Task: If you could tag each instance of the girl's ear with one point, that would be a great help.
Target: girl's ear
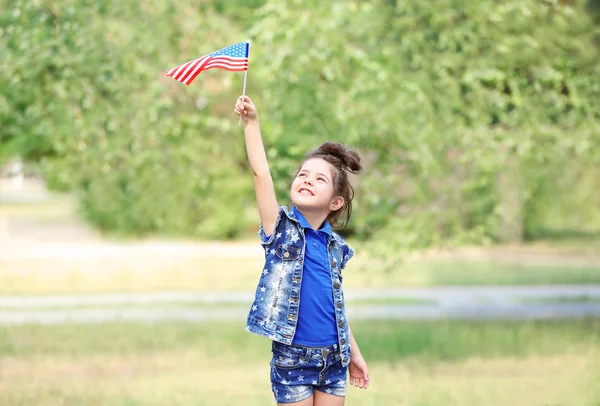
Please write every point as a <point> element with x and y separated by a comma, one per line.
<point>336,203</point>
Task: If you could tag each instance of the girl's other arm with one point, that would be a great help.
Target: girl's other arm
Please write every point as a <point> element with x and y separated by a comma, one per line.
<point>268,208</point>
<point>359,373</point>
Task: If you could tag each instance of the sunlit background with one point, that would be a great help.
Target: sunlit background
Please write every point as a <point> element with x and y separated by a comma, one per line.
<point>128,247</point>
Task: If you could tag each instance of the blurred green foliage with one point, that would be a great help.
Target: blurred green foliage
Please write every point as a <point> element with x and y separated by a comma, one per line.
<point>478,121</point>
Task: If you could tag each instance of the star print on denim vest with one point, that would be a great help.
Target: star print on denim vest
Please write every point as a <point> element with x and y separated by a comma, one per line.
<point>274,312</point>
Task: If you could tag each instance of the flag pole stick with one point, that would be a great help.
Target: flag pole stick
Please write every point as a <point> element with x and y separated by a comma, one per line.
<point>245,77</point>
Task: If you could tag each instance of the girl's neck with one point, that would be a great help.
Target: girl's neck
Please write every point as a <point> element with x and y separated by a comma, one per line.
<point>315,218</point>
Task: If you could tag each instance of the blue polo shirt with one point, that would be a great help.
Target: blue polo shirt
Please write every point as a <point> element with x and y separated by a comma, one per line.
<point>316,319</point>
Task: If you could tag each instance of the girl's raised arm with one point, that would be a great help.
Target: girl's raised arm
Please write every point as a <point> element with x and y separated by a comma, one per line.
<point>268,208</point>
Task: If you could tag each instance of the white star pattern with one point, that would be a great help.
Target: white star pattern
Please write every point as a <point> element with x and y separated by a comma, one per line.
<point>254,308</point>
<point>327,382</point>
<point>288,231</point>
<point>262,289</point>
<point>341,383</point>
<point>289,372</point>
<point>272,251</point>
<point>288,396</point>
<point>294,237</point>
<point>314,382</point>
<point>319,364</point>
<point>301,378</point>
<point>278,235</point>
<point>284,382</point>
<point>236,51</point>
<point>265,271</point>
<point>328,391</point>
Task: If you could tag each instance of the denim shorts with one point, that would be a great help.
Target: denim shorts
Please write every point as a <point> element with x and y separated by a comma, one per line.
<point>296,371</point>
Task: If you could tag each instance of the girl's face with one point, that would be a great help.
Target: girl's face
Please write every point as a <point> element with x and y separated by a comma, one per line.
<point>313,187</point>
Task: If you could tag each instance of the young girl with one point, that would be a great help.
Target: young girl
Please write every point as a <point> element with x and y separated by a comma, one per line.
<point>299,303</point>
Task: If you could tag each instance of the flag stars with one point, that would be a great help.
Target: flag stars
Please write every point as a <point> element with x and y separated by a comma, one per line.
<point>254,308</point>
<point>263,289</point>
<point>236,51</point>
<point>301,378</point>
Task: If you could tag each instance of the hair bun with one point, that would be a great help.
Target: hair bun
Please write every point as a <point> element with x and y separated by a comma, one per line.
<point>350,159</point>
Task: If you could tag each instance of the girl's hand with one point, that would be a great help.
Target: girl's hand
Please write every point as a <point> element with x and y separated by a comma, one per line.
<point>359,373</point>
<point>245,108</point>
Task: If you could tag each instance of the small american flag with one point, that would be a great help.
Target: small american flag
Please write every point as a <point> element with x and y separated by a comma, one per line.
<point>234,58</point>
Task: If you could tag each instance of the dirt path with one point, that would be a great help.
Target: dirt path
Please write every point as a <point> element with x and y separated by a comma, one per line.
<point>471,303</point>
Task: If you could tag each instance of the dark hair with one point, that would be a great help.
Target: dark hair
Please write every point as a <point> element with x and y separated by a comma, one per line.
<point>342,160</point>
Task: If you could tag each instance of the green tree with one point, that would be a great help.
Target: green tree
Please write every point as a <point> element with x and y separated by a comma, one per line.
<point>450,102</point>
<point>478,121</point>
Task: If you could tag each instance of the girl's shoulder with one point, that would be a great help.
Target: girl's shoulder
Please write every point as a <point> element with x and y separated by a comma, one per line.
<point>284,218</point>
<point>339,239</point>
<point>346,252</point>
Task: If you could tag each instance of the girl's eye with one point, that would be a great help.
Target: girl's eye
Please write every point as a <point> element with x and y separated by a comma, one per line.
<point>301,175</point>
<point>322,179</point>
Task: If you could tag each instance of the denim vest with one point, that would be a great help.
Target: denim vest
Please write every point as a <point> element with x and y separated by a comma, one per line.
<point>274,313</point>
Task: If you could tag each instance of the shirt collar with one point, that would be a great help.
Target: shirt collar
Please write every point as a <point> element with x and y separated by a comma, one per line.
<point>326,228</point>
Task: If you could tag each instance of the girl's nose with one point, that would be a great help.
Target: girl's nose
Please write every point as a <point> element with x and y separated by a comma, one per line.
<point>308,181</point>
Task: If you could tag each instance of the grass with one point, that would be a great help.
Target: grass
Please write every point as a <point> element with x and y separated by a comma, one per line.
<point>416,364</point>
<point>128,270</point>
<point>23,277</point>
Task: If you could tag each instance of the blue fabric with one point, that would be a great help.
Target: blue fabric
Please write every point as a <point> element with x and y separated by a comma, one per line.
<point>275,309</point>
<point>297,371</point>
<point>316,317</point>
